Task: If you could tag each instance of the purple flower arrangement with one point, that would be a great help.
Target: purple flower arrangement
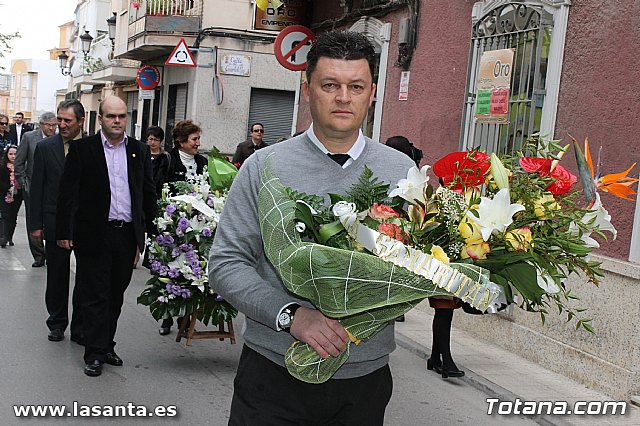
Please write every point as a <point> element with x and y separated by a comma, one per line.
<point>179,253</point>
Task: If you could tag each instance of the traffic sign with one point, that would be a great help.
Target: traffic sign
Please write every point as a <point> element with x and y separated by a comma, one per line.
<point>181,56</point>
<point>292,45</point>
<point>148,77</point>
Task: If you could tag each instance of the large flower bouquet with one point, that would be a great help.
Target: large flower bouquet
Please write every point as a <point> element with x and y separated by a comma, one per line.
<point>497,231</point>
<point>178,254</point>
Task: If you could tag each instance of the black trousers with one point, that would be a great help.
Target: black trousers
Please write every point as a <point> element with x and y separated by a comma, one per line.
<point>266,394</point>
<point>36,247</point>
<point>9,212</point>
<point>105,269</point>
<point>56,296</point>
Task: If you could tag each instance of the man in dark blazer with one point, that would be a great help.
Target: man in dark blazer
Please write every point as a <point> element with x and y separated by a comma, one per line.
<point>24,173</point>
<point>251,145</point>
<point>109,177</point>
<point>48,164</point>
<point>19,128</point>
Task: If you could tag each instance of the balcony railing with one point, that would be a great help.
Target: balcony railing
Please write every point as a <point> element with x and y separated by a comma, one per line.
<point>165,8</point>
<point>165,17</point>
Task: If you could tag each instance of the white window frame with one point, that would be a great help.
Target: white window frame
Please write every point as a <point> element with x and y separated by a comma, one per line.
<point>560,11</point>
<point>380,34</point>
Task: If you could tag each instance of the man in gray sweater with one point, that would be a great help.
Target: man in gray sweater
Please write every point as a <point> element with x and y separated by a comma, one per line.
<point>329,157</point>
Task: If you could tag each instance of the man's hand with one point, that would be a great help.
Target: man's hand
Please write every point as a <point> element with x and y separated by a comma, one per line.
<point>65,244</point>
<point>136,259</point>
<point>326,336</point>
<point>36,235</point>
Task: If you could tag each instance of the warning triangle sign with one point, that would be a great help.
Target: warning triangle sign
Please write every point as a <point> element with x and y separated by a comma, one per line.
<point>181,56</point>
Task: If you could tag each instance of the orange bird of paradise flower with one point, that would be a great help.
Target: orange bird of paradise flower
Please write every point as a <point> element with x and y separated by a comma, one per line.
<point>618,184</point>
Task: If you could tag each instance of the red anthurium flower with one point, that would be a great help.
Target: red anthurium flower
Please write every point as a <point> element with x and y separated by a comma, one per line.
<point>564,179</point>
<point>463,169</point>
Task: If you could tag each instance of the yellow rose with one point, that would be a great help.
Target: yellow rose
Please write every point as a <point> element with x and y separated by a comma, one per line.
<point>470,231</point>
<point>439,254</point>
<point>519,239</point>
<point>475,251</point>
<point>543,205</point>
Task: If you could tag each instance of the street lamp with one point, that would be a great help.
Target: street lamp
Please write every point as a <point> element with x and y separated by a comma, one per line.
<point>111,24</point>
<point>63,58</point>
<point>85,42</point>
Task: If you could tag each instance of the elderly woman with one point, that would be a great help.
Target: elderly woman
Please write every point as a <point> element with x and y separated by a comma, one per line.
<point>185,165</point>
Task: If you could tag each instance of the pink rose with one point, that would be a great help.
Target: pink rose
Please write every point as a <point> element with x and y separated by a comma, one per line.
<point>393,231</point>
<point>382,212</point>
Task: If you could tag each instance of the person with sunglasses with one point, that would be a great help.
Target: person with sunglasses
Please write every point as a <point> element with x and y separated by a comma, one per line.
<point>251,145</point>
<point>5,136</point>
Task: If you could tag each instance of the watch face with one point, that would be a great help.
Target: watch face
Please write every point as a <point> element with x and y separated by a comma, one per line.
<point>284,319</point>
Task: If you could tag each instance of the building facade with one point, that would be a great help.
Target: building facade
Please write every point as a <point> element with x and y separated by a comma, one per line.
<point>573,75</point>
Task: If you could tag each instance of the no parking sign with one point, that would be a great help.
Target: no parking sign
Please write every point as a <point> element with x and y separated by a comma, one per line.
<point>292,45</point>
<point>148,77</point>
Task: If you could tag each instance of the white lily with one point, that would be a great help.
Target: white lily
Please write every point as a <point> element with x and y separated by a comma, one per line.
<point>597,218</point>
<point>495,214</point>
<point>545,281</point>
<point>412,188</point>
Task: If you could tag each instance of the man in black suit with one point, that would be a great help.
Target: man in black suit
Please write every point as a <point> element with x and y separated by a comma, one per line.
<point>109,177</point>
<point>24,174</point>
<point>19,127</point>
<point>48,164</point>
<point>251,145</point>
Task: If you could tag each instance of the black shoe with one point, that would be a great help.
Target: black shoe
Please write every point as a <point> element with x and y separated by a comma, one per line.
<point>400,319</point>
<point>56,335</point>
<point>11,243</point>
<point>78,338</point>
<point>3,243</point>
<point>112,359</point>
<point>451,372</point>
<point>93,369</point>
<point>37,264</point>
<point>165,327</point>
<point>434,365</point>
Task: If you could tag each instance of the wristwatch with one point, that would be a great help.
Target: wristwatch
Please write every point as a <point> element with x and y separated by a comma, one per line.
<point>285,319</point>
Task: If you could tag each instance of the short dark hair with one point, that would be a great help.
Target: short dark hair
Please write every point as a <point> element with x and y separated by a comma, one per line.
<point>20,114</point>
<point>256,124</point>
<point>78,109</point>
<point>347,45</point>
<point>182,130</point>
<point>156,132</point>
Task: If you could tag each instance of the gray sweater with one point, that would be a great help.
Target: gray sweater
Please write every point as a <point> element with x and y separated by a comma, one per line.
<point>238,268</point>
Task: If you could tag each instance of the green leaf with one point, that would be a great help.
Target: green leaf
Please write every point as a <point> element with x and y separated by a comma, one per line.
<point>329,230</point>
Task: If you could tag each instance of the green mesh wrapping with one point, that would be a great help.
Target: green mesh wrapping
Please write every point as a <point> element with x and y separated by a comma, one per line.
<point>363,291</point>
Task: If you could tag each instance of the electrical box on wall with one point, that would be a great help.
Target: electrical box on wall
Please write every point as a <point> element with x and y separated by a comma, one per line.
<point>403,32</point>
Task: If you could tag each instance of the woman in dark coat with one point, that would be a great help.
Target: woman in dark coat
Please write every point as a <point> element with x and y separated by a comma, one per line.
<point>185,165</point>
<point>160,159</point>
<point>440,361</point>
<point>10,197</point>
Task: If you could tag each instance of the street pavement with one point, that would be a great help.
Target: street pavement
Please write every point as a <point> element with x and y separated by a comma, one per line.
<point>198,380</point>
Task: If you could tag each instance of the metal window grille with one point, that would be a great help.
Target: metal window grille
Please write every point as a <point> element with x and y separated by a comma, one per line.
<point>526,29</point>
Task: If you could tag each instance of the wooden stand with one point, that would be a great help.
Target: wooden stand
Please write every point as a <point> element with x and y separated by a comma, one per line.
<point>188,330</point>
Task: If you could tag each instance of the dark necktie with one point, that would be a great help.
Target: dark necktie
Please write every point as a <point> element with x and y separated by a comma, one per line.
<point>339,158</point>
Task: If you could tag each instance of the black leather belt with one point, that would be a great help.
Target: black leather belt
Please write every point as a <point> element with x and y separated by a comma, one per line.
<point>118,223</point>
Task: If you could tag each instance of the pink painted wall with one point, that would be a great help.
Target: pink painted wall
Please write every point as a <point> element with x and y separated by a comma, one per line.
<point>600,96</point>
<point>599,92</point>
<point>430,118</point>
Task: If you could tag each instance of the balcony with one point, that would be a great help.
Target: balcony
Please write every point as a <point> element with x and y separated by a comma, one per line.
<point>156,26</point>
